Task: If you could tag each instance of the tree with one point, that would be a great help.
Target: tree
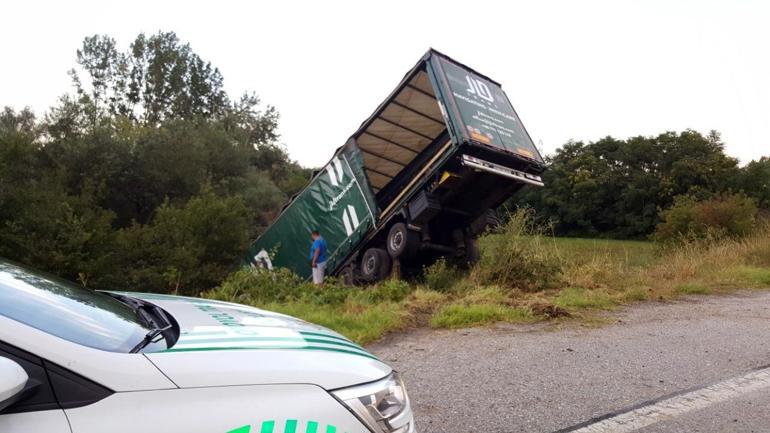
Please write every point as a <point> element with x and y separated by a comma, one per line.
<point>617,187</point>
<point>157,79</point>
<point>148,177</point>
<point>754,181</point>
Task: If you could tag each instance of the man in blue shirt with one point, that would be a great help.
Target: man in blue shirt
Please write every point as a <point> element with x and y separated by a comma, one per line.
<point>318,257</point>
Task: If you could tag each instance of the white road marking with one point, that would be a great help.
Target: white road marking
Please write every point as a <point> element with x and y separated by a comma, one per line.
<point>672,407</point>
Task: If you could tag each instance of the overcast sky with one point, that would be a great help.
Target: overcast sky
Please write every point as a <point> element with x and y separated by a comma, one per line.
<point>573,69</point>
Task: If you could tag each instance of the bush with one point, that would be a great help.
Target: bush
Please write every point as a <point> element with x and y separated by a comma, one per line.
<point>440,276</point>
<point>388,290</point>
<point>258,286</point>
<point>518,256</point>
<point>732,215</point>
<point>185,249</point>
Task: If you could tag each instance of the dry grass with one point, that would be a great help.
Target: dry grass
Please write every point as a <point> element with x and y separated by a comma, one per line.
<point>602,274</point>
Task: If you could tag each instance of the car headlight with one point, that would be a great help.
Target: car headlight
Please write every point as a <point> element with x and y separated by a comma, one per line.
<point>382,406</point>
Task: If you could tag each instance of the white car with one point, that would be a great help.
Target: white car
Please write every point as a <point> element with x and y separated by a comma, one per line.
<point>74,360</point>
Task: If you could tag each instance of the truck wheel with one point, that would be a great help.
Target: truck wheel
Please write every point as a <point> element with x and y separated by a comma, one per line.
<point>402,242</point>
<point>489,220</point>
<point>472,252</point>
<point>376,264</point>
<point>348,275</point>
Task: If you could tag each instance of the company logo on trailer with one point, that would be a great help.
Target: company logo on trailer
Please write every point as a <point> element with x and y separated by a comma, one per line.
<point>350,219</point>
<point>336,173</point>
<point>336,177</point>
<point>479,88</point>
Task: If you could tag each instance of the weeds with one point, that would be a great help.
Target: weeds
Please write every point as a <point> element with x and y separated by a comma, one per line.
<point>462,315</point>
<point>576,298</point>
<point>518,256</point>
<point>440,276</point>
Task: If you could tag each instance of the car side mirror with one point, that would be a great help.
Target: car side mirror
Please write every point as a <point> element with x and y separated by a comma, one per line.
<point>13,379</point>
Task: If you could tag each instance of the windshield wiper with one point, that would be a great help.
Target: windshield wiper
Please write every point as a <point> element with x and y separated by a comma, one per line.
<point>150,337</point>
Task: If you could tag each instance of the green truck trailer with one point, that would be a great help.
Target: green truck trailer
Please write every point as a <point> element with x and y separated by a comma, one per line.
<point>420,179</point>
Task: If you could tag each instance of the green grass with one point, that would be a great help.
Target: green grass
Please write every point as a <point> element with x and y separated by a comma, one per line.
<point>693,288</point>
<point>362,323</point>
<point>633,294</point>
<point>469,315</point>
<point>581,250</point>
<point>576,298</point>
<point>753,275</point>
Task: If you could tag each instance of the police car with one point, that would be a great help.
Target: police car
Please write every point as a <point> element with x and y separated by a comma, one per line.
<point>73,360</point>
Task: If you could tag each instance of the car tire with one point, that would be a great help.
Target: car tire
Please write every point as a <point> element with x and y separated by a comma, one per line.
<point>376,264</point>
<point>402,242</point>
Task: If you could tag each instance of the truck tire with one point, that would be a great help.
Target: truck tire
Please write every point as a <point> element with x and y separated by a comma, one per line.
<point>402,242</point>
<point>348,275</point>
<point>489,220</point>
<point>472,252</point>
<point>376,264</point>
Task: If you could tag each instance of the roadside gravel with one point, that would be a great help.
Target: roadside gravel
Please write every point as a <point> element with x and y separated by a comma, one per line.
<point>545,377</point>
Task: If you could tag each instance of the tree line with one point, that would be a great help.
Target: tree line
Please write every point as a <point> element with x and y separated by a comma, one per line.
<point>620,188</point>
<point>147,176</point>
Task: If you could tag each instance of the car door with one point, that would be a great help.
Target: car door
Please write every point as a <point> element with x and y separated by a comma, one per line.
<point>37,410</point>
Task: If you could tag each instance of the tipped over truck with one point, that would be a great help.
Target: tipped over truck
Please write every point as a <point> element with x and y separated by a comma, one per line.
<point>420,179</point>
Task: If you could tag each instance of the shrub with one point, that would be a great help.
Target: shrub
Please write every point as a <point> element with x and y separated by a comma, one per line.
<point>732,215</point>
<point>333,292</point>
<point>388,290</point>
<point>440,276</point>
<point>258,286</point>
<point>518,257</point>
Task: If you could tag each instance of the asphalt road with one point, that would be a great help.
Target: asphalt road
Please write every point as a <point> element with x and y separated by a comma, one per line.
<point>698,365</point>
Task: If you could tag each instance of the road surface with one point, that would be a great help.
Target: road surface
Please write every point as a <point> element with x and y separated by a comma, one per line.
<point>698,365</point>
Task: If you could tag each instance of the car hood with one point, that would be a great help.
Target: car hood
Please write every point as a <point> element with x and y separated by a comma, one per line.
<point>224,344</point>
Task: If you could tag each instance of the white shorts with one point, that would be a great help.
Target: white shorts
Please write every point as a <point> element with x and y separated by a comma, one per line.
<point>318,273</point>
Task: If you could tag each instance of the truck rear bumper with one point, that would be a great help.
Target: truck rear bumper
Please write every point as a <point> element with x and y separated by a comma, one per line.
<point>500,170</point>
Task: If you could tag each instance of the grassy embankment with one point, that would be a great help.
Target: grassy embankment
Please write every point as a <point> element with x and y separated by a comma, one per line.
<point>522,277</point>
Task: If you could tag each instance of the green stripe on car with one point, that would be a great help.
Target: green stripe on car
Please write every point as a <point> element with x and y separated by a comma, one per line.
<point>318,348</point>
<point>289,427</point>
<point>183,341</point>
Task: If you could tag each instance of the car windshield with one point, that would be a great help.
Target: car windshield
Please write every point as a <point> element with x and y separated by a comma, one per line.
<point>71,312</point>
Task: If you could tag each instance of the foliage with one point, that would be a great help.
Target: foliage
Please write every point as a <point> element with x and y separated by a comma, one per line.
<point>731,215</point>
<point>518,256</point>
<point>440,276</point>
<point>184,249</point>
<point>388,290</point>
<point>615,188</point>
<point>149,177</point>
<point>361,322</point>
<point>754,181</point>
<point>363,314</point>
